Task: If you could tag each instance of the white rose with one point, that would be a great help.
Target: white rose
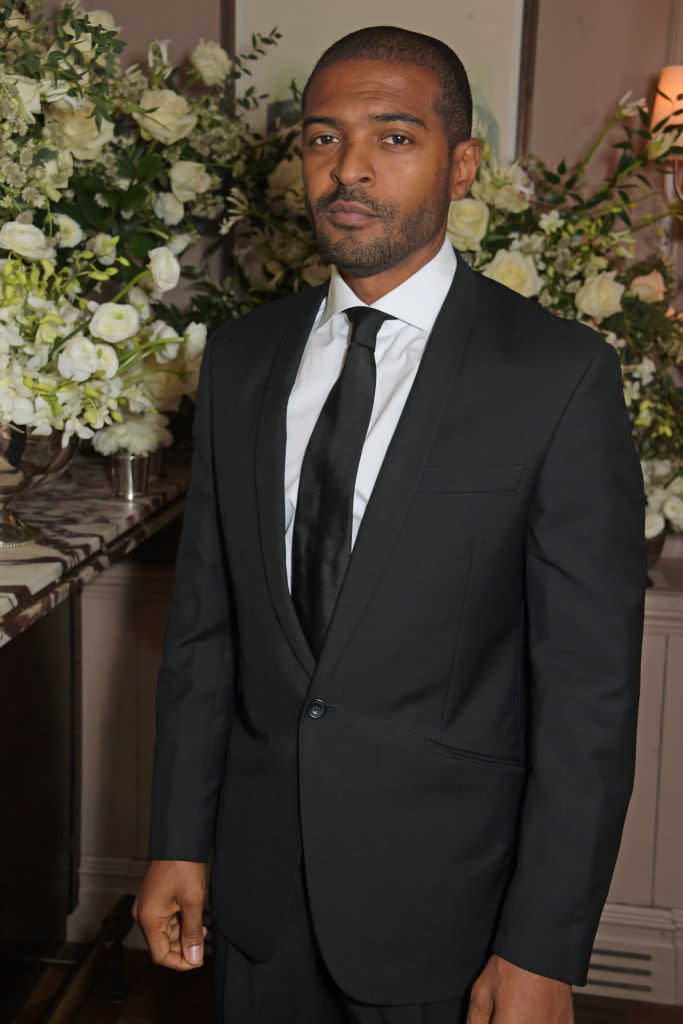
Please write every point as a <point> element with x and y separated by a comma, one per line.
<point>179,243</point>
<point>29,94</point>
<point>69,231</point>
<point>672,508</point>
<point>196,340</point>
<point>164,268</point>
<point>104,247</point>
<point>188,180</point>
<point>140,299</point>
<point>286,186</point>
<point>600,295</point>
<point>102,18</point>
<point>162,332</point>
<point>516,270</point>
<point>549,222</point>
<point>676,486</point>
<point>168,209</point>
<point>656,497</point>
<point>26,240</point>
<point>77,131</point>
<point>654,524</point>
<point>659,469</point>
<point>78,359</point>
<point>211,61</point>
<point>114,321</point>
<point>56,174</point>
<point>649,287</point>
<point>164,116</point>
<point>467,223</point>
<point>107,361</point>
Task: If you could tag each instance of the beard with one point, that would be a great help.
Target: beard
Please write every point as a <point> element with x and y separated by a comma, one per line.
<point>403,234</point>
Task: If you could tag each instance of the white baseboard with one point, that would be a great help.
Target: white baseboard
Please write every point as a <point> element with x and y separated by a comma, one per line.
<point>638,954</point>
<point>102,880</point>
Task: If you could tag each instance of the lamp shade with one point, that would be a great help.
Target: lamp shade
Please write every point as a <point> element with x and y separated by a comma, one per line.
<point>670,104</point>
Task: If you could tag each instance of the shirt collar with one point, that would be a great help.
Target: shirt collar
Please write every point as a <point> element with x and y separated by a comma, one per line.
<point>416,301</point>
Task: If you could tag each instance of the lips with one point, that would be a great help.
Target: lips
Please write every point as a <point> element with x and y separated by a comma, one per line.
<point>349,214</point>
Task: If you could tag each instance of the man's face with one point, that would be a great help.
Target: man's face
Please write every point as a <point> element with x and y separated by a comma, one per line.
<point>377,171</point>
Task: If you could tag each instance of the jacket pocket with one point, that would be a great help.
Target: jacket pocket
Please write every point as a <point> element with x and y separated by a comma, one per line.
<point>471,479</point>
<point>444,750</point>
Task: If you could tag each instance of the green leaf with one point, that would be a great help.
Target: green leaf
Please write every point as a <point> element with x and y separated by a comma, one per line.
<point>149,166</point>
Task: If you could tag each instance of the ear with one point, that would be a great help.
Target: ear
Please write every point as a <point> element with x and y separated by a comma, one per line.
<point>464,165</point>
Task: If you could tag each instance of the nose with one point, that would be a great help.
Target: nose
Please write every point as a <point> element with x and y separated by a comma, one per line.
<point>353,165</point>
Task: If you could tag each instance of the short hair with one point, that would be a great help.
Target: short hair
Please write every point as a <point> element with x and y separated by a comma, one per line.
<point>401,46</point>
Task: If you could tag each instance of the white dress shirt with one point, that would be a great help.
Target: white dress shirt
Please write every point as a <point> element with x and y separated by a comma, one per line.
<point>401,342</point>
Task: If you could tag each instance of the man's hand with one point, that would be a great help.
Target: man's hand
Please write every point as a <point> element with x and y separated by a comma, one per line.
<point>506,994</point>
<point>168,908</point>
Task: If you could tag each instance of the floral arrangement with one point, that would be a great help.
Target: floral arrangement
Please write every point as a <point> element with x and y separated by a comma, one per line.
<point>545,233</point>
<point>108,175</point>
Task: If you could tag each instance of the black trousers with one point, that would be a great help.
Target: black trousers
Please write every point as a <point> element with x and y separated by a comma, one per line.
<point>295,987</point>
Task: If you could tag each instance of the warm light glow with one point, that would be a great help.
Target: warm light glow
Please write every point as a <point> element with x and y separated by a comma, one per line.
<point>671,85</point>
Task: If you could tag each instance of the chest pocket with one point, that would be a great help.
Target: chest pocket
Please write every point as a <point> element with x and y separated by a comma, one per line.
<point>479,479</point>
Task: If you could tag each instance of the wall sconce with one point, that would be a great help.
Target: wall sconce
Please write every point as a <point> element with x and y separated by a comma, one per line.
<point>669,106</point>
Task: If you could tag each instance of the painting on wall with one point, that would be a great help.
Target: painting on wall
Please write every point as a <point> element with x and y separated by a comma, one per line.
<point>489,36</point>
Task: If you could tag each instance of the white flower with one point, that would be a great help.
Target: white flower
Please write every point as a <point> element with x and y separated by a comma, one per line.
<point>29,94</point>
<point>107,361</point>
<point>104,247</point>
<point>162,332</point>
<point>140,300</point>
<point>467,223</point>
<point>138,435</point>
<point>114,322</point>
<point>69,231</point>
<point>26,240</point>
<point>549,222</point>
<point>168,209</point>
<point>78,359</point>
<point>56,174</point>
<point>188,180</point>
<point>286,186</point>
<point>102,18</point>
<point>600,295</point>
<point>77,131</point>
<point>157,54</point>
<point>654,524</point>
<point>631,391</point>
<point>649,287</point>
<point>196,340</point>
<point>164,268</point>
<point>676,486</point>
<point>507,187</point>
<point>645,370</point>
<point>656,496</point>
<point>659,469</point>
<point>165,116</point>
<point>179,243</point>
<point>211,61</point>
<point>516,270</point>
<point>672,508</point>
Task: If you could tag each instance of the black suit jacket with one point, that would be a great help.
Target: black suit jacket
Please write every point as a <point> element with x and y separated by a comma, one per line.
<point>465,788</point>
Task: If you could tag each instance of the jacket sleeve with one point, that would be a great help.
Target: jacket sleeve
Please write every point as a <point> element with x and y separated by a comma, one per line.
<point>585,584</point>
<point>195,686</point>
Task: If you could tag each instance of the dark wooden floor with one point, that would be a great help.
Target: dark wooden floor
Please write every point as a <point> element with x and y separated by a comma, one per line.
<point>158,996</point>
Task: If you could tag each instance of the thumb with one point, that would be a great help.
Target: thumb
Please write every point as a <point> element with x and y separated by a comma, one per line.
<point>192,932</point>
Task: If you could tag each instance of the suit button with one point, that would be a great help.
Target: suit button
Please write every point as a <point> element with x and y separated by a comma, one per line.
<point>316,709</point>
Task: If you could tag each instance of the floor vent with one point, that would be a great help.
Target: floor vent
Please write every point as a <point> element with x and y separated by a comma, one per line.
<point>630,974</point>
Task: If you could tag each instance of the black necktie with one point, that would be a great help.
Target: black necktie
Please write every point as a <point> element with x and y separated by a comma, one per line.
<point>321,541</point>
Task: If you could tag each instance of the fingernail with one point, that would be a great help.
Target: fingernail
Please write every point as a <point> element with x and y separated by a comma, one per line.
<point>195,955</point>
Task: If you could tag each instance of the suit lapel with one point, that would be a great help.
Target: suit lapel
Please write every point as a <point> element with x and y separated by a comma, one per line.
<point>270,465</point>
<point>404,461</point>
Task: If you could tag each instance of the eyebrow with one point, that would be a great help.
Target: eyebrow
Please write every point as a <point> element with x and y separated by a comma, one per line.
<point>388,118</point>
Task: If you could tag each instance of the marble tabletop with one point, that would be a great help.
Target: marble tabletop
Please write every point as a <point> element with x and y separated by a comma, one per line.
<point>84,529</point>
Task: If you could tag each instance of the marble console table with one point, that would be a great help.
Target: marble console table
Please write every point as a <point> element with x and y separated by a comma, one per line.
<point>85,530</point>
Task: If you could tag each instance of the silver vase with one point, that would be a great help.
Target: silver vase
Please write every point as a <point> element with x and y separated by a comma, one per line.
<point>129,475</point>
<point>27,460</point>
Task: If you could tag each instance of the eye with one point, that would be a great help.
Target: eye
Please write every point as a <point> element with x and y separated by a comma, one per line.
<point>396,139</point>
<point>323,140</point>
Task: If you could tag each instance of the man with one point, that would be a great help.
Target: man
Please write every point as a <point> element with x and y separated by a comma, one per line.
<point>413,759</point>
